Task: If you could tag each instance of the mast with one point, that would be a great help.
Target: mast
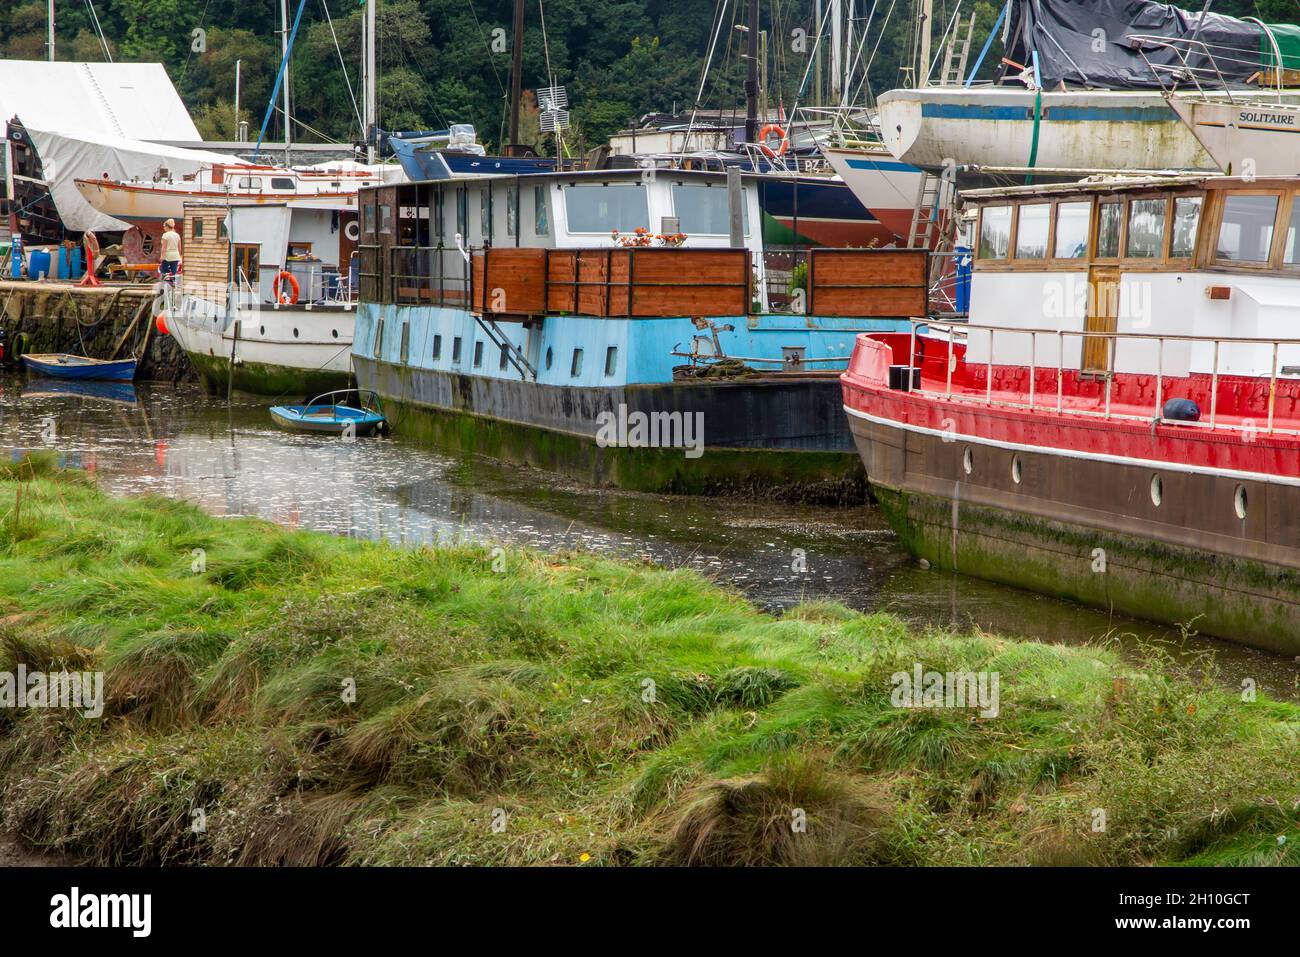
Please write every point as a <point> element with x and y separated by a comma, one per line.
<point>817,56</point>
<point>516,75</point>
<point>371,109</point>
<point>284,52</point>
<point>848,51</point>
<point>751,80</point>
<point>927,12</point>
<point>50,41</point>
<point>837,39</point>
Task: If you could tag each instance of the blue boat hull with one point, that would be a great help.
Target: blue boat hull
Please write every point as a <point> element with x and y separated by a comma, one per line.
<point>75,367</point>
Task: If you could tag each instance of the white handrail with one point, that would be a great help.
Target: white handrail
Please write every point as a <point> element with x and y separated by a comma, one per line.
<point>987,397</point>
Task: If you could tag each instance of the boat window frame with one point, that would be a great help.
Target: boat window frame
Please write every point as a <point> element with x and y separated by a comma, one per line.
<point>1080,261</point>
<point>1277,243</point>
<point>1011,232</point>
<point>1013,249</point>
<point>1107,199</point>
<point>1191,258</point>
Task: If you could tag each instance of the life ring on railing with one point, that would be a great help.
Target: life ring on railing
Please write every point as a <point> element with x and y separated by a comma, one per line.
<point>762,140</point>
<point>280,297</point>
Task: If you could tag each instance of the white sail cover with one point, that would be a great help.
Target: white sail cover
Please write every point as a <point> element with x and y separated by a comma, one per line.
<point>87,119</point>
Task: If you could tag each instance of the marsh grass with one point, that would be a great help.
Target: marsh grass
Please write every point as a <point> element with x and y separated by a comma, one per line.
<point>326,701</point>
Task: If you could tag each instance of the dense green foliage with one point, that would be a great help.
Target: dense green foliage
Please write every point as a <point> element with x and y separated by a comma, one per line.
<point>319,700</point>
<point>619,58</point>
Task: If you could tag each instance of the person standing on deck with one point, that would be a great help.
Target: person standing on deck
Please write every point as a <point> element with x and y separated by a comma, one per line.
<point>171,252</point>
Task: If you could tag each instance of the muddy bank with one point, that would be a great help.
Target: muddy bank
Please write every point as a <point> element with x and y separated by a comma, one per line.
<point>14,853</point>
<point>103,323</point>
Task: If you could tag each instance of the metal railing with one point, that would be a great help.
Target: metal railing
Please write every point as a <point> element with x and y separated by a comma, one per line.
<point>1107,373</point>
<point>428,275</point>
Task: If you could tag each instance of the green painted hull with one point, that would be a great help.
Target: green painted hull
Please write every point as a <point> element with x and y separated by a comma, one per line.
<point>1246,601</point>
<point>821,477</point>
<point>264,379</point>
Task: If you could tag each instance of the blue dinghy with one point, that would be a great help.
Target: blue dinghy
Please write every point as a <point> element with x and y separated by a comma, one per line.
<point>333,414</point>
<point>62,366</point>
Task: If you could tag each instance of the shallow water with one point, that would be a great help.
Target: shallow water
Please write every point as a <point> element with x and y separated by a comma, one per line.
<point>231,460</point>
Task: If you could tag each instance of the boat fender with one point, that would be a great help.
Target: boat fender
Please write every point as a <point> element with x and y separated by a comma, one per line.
<point>1181,410</point>
<point>19,347</point>
<point>285,298</point>
<point>160,323</point>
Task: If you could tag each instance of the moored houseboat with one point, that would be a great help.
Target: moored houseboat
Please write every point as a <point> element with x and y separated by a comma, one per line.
<point>1119,423</point>
<point>537,319</point>
<point>265,299</point>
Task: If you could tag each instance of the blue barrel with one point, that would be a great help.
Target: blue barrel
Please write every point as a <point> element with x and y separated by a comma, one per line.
<point>39,264</point>
<point>961,288</point>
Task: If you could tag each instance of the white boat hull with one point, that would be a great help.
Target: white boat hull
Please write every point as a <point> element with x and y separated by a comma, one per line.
<point>282,351</point>
<point>1245,139</point>
<point>1077,130</point>
<point>139,203</point>
<point>883,184</point>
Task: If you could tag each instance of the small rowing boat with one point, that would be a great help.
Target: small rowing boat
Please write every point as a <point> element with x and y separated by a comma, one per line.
<point>333,414</point>
<point>62,366</point>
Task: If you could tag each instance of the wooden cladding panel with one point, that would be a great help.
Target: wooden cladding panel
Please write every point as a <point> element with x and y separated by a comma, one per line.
<point>510,281</point>
<point>207,256</point>
<point>868,283</point>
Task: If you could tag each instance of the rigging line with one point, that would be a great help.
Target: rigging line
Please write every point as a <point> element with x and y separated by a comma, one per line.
<point>853,67</point>
<point>942,40</point>
<point>94,19</point>
<point>486,45</point>
<point>326,138</point>
<point>704,75</point>
<point>866,70</point>
<point>203,19</point>
<point>346,79</point>
<point>546,46</point>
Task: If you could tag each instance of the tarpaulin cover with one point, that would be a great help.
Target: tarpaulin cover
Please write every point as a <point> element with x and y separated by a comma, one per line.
<point>1088,43</point>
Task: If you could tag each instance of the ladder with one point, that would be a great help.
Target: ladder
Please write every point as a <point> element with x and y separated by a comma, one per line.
<point>513,354</point>
<point>954,64</point>
<point>930,193</point>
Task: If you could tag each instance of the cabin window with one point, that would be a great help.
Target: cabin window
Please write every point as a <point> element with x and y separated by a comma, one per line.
<point>575,367</point>
<point>611,359</point>
<point>1246,231</point>
<point>455,349</point>
<point>281,182</point>
<point>485,211</point>
<point>512,209</point>
<point>1109,220</point>
<point>706,209</point>
<point>385,218</point>
<point>1146,228</point>
<point>299,250</point>
<point>462,215</point>
<point>196,228</point>
<point>1187,216</point>
<point>437,347</point>
<point>1292,249</point>
<point>478,353</point>
<point>541,222</point>
<point>599,209</point>
<point>1031,232</point>
<point>247,261</point>
<point>1072,230</point>
<point>250,182</point>
<point>504,356</point>
<point>221,229</point>
<point>995,232</point>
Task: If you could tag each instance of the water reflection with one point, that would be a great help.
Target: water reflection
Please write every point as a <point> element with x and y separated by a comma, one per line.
<point>231,460</point>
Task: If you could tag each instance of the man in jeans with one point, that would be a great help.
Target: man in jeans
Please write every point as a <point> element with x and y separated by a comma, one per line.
<point>171,252</point>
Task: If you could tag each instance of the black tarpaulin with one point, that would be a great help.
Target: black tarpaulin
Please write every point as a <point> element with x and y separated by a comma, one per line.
<point>1090,43</point>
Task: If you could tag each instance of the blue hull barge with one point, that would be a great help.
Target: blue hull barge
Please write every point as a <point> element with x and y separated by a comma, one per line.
<point>538,320</point>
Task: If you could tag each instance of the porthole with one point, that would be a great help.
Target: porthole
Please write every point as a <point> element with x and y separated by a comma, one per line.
<point>1157,491</point>
<point>295,332</point>
<point>549,357</point>
<point>1015,469</point>
<point>1239,503</point>
<point>335,333</point>
<point>967,462</point>
<point>263,328</point>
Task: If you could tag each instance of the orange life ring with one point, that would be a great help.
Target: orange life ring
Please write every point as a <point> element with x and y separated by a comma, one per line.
<point>280,297</point>
<point>762,139</point>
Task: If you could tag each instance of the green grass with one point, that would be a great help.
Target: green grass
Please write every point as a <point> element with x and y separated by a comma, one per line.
<point>317,700</point>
